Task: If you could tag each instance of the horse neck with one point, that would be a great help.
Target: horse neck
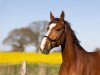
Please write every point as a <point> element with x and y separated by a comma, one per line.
<point>69,48</point>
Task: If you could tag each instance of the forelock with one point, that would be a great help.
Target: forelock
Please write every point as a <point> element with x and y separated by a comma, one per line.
<point>54,21</point>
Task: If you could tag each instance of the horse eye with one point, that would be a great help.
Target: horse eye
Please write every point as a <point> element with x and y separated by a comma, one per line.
<point>58,29</point>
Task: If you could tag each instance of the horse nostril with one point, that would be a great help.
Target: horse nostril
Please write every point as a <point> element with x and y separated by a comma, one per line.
<point>42,48</point>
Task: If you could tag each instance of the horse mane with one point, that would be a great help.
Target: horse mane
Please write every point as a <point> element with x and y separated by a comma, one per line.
<point>75,40</point>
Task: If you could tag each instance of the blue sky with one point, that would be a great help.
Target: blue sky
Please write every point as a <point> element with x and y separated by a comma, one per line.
<point>83,15</point>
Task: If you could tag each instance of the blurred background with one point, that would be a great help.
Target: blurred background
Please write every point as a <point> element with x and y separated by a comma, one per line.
<point>23,24</point>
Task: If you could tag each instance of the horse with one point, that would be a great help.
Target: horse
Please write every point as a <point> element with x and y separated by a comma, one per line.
<point>75,59</point>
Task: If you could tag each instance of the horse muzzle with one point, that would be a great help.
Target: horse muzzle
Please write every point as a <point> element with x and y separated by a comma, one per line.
<point>45,51</point>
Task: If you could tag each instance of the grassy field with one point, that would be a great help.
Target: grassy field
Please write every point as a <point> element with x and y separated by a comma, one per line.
<point>10,63</point>
<point>32,69</point>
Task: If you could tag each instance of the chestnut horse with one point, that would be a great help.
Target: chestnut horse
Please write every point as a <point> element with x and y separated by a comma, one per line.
<point>76,61</point>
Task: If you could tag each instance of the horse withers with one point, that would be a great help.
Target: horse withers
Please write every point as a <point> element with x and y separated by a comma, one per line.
<point>76,60</point>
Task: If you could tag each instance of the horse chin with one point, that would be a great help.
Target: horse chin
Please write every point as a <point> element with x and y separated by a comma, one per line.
<point>46,51</point>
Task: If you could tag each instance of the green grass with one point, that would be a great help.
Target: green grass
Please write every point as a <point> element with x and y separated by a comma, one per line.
<point>32,69</point>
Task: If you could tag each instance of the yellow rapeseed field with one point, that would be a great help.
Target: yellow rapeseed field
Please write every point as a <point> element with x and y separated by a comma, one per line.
<point>18,57</point>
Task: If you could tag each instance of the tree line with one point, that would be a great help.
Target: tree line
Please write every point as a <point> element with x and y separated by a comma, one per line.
<point>30,35</point>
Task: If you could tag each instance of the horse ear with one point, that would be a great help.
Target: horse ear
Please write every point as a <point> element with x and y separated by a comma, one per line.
<point>62,15</point>
<point>51,16</point>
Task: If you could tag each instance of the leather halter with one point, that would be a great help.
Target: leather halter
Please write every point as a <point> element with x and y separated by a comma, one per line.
<point>55,40</point>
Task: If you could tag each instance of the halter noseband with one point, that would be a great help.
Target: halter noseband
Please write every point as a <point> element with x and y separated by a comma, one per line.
<point>56,40</point>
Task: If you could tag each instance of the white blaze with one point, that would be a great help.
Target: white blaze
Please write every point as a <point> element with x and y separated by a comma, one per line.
<point>44,39</point>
